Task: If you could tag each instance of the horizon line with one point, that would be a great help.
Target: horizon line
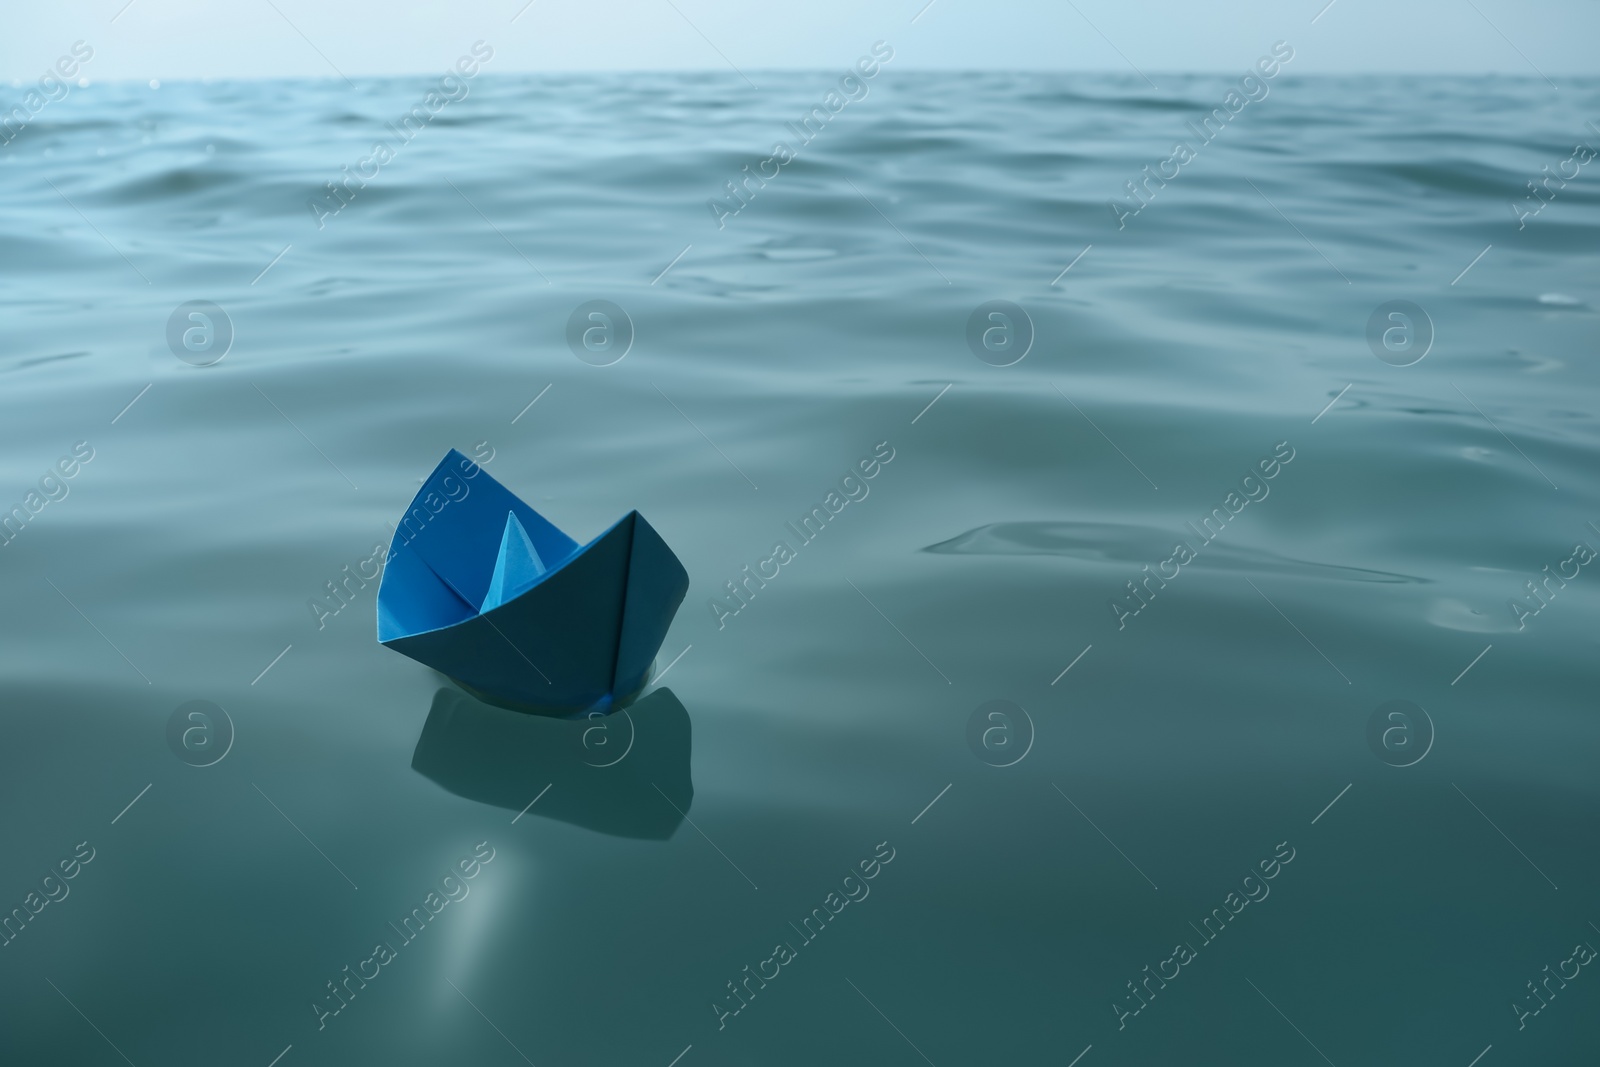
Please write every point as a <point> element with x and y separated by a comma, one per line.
<point>1115,74</point>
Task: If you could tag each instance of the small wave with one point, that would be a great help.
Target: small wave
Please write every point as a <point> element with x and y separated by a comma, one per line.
<point>1456,177</point>
<point>1106,542</point>
<point>36,361</point>
<point>175,183</point>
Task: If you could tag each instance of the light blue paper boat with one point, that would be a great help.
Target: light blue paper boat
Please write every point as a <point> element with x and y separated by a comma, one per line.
<point>485,590</point>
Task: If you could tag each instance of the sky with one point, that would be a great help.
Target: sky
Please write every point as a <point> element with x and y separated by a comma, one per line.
<point>186,39</point>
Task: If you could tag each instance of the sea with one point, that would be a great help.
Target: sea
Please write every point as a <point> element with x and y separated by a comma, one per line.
<point>1183,636</point>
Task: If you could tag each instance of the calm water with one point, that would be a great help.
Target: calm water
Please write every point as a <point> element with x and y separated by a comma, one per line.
<point>1189,746</point>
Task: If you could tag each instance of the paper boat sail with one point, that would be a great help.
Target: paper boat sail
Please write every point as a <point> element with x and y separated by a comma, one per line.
<point>484,589</point>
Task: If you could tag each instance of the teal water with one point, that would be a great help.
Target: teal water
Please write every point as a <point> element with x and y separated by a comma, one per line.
<point>837,724</point>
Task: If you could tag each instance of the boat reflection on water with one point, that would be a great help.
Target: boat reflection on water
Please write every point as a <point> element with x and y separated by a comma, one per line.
<point>624,774</point>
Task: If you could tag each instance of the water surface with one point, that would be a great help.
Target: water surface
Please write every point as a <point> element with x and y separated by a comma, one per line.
<point>1165,755</point>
